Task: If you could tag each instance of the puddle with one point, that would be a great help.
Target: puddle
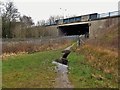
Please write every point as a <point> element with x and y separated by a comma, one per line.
<point>60,67</point>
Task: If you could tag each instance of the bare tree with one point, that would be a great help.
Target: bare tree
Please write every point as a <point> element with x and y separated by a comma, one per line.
<point>41,23</point>
<point>58,17</point>
<point>27,20</point>
<point>52,19</point>
<point>9,15</point>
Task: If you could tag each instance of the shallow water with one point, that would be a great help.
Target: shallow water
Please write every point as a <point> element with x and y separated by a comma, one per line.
<point>62,80</point>
<point>61,67</point>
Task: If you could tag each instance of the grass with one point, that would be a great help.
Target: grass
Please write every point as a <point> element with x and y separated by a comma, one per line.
<point>37,71</point>
<point>30,70</point>
<point>83,75</point>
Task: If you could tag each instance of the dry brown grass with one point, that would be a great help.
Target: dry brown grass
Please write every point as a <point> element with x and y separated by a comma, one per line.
<point>101,59</point>
<point>13,49</point>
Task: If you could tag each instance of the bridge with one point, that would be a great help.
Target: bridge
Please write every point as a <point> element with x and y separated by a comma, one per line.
<point>89,24</point>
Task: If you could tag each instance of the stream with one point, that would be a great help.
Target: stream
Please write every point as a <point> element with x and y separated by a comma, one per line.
<point>62,80</point>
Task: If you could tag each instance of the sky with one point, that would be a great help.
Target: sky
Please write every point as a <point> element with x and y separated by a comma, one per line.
<point>43,9</point>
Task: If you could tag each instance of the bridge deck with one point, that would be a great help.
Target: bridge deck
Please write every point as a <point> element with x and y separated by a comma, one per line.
<point>74,23</point>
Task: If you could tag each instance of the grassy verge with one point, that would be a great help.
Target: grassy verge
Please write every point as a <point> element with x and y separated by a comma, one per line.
<point>95,64</point>
<point>83,75</point>
<point>30,70</point>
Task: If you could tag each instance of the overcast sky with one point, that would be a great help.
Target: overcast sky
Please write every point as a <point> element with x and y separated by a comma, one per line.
<point>43,9</point>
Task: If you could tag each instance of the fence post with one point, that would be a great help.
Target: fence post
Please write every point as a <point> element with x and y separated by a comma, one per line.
<point>78,41</point>
<point>109,14</point>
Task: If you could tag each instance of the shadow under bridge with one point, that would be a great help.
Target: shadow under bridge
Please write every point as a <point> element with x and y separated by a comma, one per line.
<point>74,29</point>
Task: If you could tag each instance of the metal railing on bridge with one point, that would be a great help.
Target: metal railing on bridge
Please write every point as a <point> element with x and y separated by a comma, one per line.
<point>109,14</point>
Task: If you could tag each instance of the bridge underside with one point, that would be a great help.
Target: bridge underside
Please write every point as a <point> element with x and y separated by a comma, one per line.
<point>79,29</point>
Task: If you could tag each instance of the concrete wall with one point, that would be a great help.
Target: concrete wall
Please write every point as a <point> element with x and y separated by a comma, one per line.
<point>99,26</point>
<point>52,30</point>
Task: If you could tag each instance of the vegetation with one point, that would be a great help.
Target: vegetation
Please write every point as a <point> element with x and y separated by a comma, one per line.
<point>9,15</point>
<point>83,75</point>
<point>13,48</point>
<point>102,59</point>
<point>37,71</point>
<point>30,70</point>
<point>95,64</point>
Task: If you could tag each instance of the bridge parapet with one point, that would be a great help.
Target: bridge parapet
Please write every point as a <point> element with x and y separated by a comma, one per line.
<point>109,14</point>
<point>86,18</point>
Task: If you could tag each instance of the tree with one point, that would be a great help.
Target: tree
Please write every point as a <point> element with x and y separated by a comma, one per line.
<point>52,19</point>
<point>41,23</point>
<point>9,15</point>
<point>27,20</point>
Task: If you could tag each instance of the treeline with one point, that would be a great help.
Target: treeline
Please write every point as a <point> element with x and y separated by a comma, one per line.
<point>15,25</point>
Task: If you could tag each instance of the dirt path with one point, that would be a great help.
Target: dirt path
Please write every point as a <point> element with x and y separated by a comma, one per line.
<point>62,80</point>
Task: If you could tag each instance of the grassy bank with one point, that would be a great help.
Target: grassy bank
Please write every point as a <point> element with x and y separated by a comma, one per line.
<point>30,70</point>
<point>83,75</point>
<point>95,64</point>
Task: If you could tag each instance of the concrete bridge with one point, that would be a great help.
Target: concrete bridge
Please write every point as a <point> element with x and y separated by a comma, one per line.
<point>92,27</point>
